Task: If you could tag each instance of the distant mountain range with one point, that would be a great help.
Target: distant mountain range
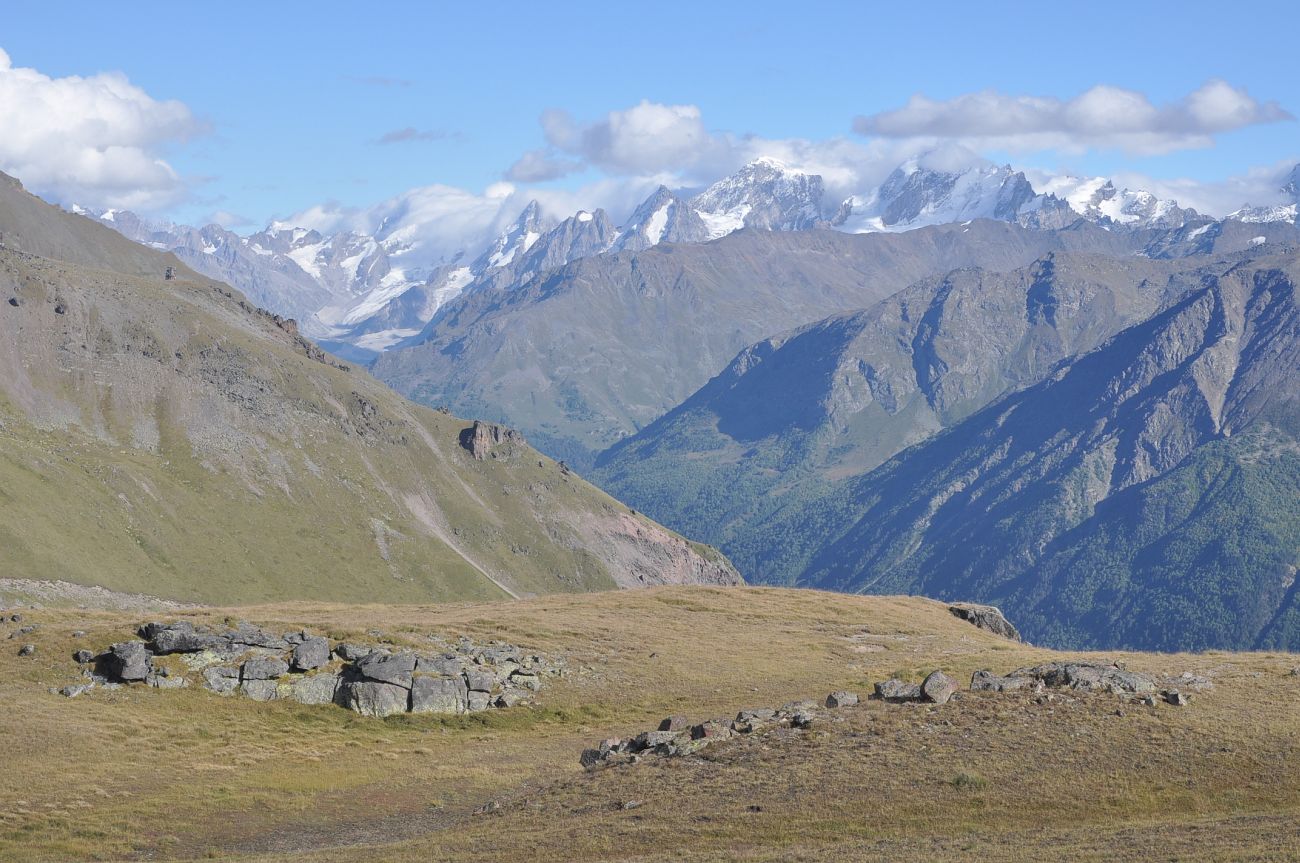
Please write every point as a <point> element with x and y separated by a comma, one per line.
<point>362,294</point>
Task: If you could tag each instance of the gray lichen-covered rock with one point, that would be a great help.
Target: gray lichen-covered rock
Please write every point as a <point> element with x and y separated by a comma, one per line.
<point>480,679</point>
<point>27,650</point>
<point>126,661</point>
<point>987,681</point>
<point>310,653</point>
<point>222,680</point>
<point>446,665</point>
<point>160,680</point>
<point>478,700</point>
<point>182,637</point>
<point>83,657</point>
<point>439,695</point>
<point>312,689</point>
<point>841,698</point>
<point>898,690</point>
<point>1089,677</point>
<point>525,680</point>
<point>396,669</point>
<point>938,687</point>
<point>987,617</point>
<point>349,652</point>
<point>260,690</point>
<point>264,668</point>
<point>248,635</point>
<point>375,698</point>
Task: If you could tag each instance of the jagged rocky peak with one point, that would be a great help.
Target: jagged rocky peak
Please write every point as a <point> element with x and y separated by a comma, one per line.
<point>1281,212</point>
<point>526,230</point>
<point>764,194</point>
<point>1099,200</point>
<point>662,218</point>
<point>925,191</point>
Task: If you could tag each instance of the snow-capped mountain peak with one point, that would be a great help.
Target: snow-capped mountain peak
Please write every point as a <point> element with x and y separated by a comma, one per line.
<point>517,239</point>
<point>764,194</point>
<point>661,218</point>
<point>915,195</point>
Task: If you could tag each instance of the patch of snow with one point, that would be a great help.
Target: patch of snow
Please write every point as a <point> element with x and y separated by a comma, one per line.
<point>383,340</point>
<point>721,224</point>
<point>1258,241</point>
<point>584,216</point>
<point>657,224</point>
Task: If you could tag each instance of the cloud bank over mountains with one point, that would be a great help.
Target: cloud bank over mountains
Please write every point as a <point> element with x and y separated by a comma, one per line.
<point>101,141</point>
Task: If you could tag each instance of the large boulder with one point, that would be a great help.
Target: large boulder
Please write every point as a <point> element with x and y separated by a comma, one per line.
<point>894,689</point>
<point>312,689</point>
<point>261,690</point>
<point>987,617</point>
<point>439,695</point>
<point>396,669</point>
<point>938,687</point>
<point>987,681</point>
<point>222,680</point>
<point>447,665</point>
<point>1089,677</point>
<point>480,679</point>
<point>247,635</point>
<point>264,668</point>
<point>374,698</point>
<point>310,653</point>
<point>841,698</point>
<point>182,638</point>
<point>126,661</point>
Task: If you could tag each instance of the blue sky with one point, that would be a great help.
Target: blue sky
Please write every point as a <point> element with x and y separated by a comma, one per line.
<point>288,103</point>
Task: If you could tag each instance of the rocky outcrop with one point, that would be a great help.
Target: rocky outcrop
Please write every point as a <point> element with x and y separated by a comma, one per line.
<point>988,617</point>
<point>489,440</point>
<point>373,680</point>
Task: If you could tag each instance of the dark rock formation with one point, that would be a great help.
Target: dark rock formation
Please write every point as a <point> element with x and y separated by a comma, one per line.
<point>485,440</point>
<point>987,617</point>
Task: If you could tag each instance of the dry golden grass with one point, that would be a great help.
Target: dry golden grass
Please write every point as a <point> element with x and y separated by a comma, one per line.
<point>161,775</point>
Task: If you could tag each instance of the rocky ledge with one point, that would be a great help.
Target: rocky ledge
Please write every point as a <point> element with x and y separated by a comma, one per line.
<point>453,678</point>
<point>678,737</point>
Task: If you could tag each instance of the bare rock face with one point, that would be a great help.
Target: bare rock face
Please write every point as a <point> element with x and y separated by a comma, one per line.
<point>987,617</point>
<point>489,440</point>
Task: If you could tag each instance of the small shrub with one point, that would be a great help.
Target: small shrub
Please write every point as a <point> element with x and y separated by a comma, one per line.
<point>964,781</point>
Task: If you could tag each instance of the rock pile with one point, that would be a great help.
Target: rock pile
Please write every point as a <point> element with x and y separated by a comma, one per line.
<point>676,737</point>
<point>456,677</point>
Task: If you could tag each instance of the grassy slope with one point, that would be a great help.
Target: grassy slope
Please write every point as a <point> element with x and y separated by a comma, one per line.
<point>159,437</point>
<point>187,775</point>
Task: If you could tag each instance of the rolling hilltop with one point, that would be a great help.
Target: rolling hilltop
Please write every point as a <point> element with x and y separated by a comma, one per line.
<point>167,437</point>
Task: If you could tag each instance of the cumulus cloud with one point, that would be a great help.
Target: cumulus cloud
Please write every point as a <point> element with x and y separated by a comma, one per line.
<point>644,139</point>
<point>94,140</point>
<point>1103,117</point>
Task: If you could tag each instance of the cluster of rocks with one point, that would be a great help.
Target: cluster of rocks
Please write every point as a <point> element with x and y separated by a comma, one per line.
<point>677,737</point>
<point>457,677</point>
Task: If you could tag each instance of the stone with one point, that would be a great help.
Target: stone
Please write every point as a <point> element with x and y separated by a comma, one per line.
<point>375,698</point>
<point>1194,682</point>
<point>78,633</point>
<point>509,698</point>
<point>480,680</point>
<point>446,665</point>
<point>713,729</point>
<point>27,650</point>
<point>159,680</point>
<point>674,723</point>
<point>74,690</point>
<point>264,668</point>
<point>841,698</point>
<point>182,638</point>
<point>249,635</point>
<point>986,617</point>
<point>760,714</point>
<point>938,687</point>
<point>222,680</point>
<point>987,681</point>
<point>352,652</point>
<point>439,695</point>
<point>396,669</point>
<point>478,700</point>
<point>126,661</point>
<point>312,689</point>
<point>1088,677</point>
<point>802,719</point>
<point>260,690</point>
<point>84,657</point>
<point>591,759</point>
<point>523,680</point>
<point>898,690</point>
<point>482,438</point>
<point>652,739</point>
<point>1176,698</point>
<point>310,653</point>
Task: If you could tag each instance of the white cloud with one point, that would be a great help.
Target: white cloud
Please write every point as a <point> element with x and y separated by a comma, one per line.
<point>95,140</point>
<point>538,166</point>
<point>644,139</point>
<point>1103,117</point>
